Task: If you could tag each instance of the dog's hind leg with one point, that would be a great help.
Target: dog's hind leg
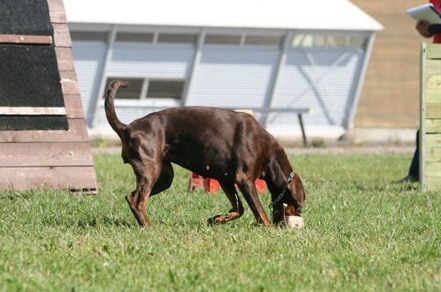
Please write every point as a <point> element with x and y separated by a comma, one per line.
<point>249,191</point>
<point>237,210</point>
<point>137,201</point>
<point>165,179</point>
<point>146,177</point>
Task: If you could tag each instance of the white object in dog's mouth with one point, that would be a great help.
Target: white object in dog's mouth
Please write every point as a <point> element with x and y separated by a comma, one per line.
<point>294,222</point>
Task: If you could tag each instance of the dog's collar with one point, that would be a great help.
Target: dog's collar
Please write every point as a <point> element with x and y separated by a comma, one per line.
<point>282,193</point>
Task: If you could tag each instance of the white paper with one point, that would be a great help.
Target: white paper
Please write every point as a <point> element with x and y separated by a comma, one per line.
<point>425,12</point>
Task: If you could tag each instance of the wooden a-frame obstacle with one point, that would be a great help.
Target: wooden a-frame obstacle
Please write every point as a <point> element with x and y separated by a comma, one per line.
<point>430,117</point>
<point>44,142</point>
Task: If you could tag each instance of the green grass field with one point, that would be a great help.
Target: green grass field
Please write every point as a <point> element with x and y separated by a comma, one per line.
<point>363,233</point>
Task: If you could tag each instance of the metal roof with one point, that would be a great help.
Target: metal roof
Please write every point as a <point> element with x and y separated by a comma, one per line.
<point>273,14</point>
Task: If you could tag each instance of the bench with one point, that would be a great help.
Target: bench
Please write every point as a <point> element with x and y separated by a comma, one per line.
<point>298,111</point>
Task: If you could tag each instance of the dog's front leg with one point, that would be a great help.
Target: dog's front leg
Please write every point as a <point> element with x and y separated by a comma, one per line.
<point>249,191</point>
<point>237,210</point>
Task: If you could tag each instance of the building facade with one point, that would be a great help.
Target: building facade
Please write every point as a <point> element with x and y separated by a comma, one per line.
<point>270,58</point>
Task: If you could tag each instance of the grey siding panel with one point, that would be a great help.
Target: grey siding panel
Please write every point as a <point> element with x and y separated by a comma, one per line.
<point>233,77</point>
<point>89,58</point>
<point>323,81</point>
<point>151,61</point>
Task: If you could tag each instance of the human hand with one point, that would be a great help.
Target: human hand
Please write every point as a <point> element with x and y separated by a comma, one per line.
<point>422,27</point>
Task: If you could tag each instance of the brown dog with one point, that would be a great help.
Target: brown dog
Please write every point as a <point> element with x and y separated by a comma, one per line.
<point>228,146</point>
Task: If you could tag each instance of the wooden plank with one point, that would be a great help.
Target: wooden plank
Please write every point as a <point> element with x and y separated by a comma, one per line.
<point>45,154</point>
<point>433,183</point>
<point>65,59</point>
<point>433,169</point>
<point>433,95</point>
<point>74,106</point>
<point>68,75</point>
<point>423,101</point>
<point>20,110</point>
<point>25,39</point>
<point>56,11</point>
<point>70,178</point>
<point>433,67</point>
<point>70,86</point>
<point>433,52</point>
<point>77,133</point>
<point>433,81</point>
<point>433,140</point>
<point>433,155</point>
<point>71,92</point>
<point>433,126</point>
<point>433,111</point>
<point>62,35</point>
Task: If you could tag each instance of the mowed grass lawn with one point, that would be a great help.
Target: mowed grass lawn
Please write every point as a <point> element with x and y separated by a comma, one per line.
<point>363,233</point>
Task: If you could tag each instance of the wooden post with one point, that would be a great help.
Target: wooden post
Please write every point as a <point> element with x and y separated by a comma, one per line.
<point>430,117</point>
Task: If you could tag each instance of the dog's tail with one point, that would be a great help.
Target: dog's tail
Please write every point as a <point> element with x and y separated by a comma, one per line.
<point>109,107</point>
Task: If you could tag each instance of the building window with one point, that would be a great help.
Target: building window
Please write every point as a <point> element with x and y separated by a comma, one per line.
<point>257,40</point>
<point>132,92</point>
<point>243,40</point>
<point>327,41</point>
<point>216,39</point>
<point>88,36</point>
<point>129,37</point>
<point>165,89</point>
<point>170,38</point>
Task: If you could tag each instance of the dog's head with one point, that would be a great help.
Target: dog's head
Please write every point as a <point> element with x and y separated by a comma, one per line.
<point>292,201</point>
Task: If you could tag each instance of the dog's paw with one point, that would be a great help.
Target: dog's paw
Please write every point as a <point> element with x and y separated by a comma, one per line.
<point>216,220</point>
<point>210,222</point>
